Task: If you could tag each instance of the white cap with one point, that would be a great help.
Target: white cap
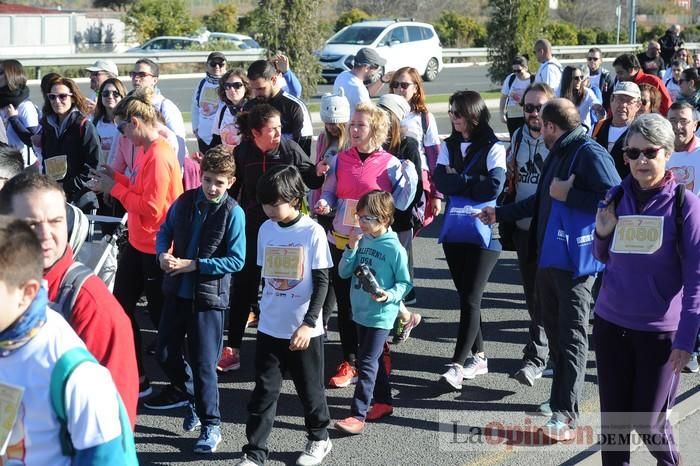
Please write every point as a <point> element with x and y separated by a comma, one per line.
<point>104,65</point>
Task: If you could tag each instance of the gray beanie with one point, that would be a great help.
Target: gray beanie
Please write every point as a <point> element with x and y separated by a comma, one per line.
<point>335,108</point>
<point>395,104</point>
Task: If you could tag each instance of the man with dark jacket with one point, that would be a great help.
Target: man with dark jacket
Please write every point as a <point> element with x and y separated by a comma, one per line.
<point>565,301</point>
<point>670,42</point>
<point>599,76</point>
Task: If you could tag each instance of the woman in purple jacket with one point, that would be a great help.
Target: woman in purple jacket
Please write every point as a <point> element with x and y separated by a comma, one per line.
<point>645,327</point>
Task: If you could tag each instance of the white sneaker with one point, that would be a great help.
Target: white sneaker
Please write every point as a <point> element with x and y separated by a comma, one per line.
<point>476,365</point>
<point>453,376</point>
<point>314,452</point>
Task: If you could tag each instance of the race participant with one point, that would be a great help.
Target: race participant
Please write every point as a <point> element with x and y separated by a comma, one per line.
<point>206,102</point>
<point>512,91</point>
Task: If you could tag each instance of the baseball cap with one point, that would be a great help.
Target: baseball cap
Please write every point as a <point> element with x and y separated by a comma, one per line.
<point>367,56</point>
<point>104,65</point>
<point>627,88</point>
<point>216,56</point>
<point>395,104</point>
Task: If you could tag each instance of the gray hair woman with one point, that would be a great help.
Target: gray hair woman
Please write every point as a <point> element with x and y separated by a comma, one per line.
<point>645,328</point>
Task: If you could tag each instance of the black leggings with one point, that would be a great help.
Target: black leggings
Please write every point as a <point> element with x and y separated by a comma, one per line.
<point>138,272</point>
<point>244,291</point>
<point>346,326</point>
<point>470,267</point>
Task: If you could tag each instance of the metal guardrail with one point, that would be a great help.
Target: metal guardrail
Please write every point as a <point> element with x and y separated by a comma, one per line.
<point>607,50</point>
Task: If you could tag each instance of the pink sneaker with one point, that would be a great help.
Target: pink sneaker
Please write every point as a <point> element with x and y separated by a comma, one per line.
<point>229,361</point>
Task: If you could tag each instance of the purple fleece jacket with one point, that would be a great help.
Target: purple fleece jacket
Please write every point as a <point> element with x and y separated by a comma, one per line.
<point>643,292</point>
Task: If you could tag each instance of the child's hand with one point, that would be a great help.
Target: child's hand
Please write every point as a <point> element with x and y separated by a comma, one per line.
<point>183,266</point>
<point>322,168</point>
<point>300,339</point>
<point>354,238</point>
<point>380,297</point>
<point>166,261</point>
<point>322,207</point>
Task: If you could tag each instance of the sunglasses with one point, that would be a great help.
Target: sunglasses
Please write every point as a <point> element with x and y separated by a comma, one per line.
<point>455,114</point>
<point>122,126</point>
<point>139,74</point>
<point>94,74</point>
<point>633,153</point>
<point>592,58</point>
<point>396,84</point>
<point>532,108</point>
<point>577,78</point>
<point>234,85</point>
<point>367,218</point>
<point>60,97</point>
<point>108,94</point>
<point>220,64</point>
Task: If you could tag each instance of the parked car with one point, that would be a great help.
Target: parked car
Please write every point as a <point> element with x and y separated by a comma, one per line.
<point>166,43</point>
<point>239,40</point>
<point>401,43</point>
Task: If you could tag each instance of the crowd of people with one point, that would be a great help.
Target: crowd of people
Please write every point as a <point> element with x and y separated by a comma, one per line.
<point>260,228</point>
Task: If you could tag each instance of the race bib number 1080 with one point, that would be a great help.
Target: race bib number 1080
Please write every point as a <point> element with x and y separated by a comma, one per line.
<point>638,234</point>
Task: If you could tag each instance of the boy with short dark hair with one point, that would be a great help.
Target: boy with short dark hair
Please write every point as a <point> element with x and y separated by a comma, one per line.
<point>206,230</point>
<point>36,345</point>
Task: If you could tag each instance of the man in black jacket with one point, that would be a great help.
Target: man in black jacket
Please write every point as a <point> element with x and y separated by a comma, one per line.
<point>565,301</point>
<point>671,42</point>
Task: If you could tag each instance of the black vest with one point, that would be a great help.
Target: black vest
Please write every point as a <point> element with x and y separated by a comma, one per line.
<point>211,291</point>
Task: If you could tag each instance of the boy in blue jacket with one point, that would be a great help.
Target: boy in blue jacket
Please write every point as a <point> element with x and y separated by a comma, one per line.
<point>374,310</point>
<point>206,230</point>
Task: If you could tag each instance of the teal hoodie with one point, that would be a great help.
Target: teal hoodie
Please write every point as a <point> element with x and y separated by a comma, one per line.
<point>387,260</point>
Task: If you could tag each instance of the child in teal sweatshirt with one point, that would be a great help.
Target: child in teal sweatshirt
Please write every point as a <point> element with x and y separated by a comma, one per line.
<point>374,311</point>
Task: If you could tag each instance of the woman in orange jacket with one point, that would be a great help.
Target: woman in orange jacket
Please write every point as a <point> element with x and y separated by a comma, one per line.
<point>157,182</point>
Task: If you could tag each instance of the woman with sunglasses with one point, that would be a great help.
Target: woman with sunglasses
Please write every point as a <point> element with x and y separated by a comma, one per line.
<point>364,167</point>
<point>471,164</point>
<point>146,198</point>
<point>233,91</point>
<point>70,145</point>
<point>110,93</point>
<point>650,100</point>
<point>647,233</point>
<point>420,124</point>
<point>19,115</point>
<point>574,88</point>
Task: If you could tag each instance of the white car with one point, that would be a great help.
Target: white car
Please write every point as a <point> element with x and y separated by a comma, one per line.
<point>240,40</point>
<point>401,43</point>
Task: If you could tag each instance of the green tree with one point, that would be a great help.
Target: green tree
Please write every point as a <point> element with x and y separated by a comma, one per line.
<point>224,18</point>
<point>353,15</point>
<point>111,4</point>
<point>150,18</point>
<point>587,36</point>
<point>512,30</point>
<point>291,26</point>
<point>457,30</point>
<point>560,33</point>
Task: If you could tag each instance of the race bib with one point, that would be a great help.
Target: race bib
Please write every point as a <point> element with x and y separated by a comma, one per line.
<point>349,219</point>
<point>638,234</point>
<point>283,262</point>
<point>56,167</point>
<point>10,398</point>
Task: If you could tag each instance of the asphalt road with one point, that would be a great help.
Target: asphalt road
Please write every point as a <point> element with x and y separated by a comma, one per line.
<point>411,436</point>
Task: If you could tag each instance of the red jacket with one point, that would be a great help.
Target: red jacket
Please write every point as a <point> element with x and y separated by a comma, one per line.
<point>643,78</point>
<point>102,324</point>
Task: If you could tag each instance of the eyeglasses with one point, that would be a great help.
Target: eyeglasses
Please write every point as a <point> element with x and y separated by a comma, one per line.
<point>235,85</point>
<point>122,126</point>
<point>455,114</point>
<point>577,78</point>
<point>683,122</point>
<point>61,97</point>
<point>532,108</point>
<point>396,84</point>
<point>220,64</point>
<point>108,94</point>
<point>592,58</point>
<point>633,153</point>
<point>367,218</point>
<point>139,74</point>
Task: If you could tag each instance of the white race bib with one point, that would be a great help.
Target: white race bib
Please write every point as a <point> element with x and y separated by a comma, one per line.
<point>10,398</point>
<point>638,234</point>
<point>56,167</point>
<point>283,262</point>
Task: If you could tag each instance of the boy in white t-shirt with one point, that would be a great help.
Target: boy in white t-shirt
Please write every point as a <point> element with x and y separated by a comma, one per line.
<point>35,343</point>
<point>296,261</point>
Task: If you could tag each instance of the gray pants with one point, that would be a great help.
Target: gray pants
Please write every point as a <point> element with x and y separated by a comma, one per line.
<point>565,304</point>
<point>536,350</point>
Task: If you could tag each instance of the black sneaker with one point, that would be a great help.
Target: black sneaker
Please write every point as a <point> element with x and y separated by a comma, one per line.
<point>528,374</point>
<point>168,398</point>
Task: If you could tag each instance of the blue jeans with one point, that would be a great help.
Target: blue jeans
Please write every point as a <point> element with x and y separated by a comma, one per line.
<point>372,380</point>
